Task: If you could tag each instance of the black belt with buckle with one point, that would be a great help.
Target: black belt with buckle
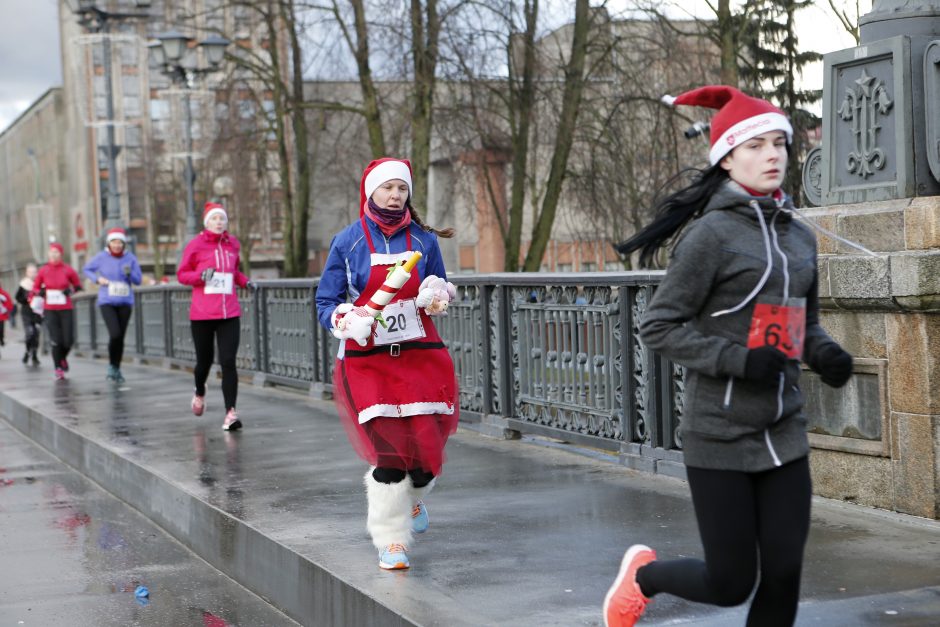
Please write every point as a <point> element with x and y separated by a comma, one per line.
<point>393,349</point>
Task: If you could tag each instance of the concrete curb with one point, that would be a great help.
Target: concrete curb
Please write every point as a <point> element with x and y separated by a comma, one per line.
<point>303,590</point>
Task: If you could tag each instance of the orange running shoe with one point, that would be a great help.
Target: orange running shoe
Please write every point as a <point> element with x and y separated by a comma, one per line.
<point>624,603</point>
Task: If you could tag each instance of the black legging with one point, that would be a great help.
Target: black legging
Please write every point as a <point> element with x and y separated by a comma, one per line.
<point>419,478</point>
<point>31,330</point>
<point>744,519</point>
<point>226,334</point>
<point>116,318</point>
<point>59,326</point>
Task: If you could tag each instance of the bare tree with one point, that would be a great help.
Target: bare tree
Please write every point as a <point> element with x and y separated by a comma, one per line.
<point>847,16</point>
<point>571,105</point>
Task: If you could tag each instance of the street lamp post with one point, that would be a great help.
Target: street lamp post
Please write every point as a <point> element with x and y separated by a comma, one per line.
<point>97,20</point>
<point>169,50</point>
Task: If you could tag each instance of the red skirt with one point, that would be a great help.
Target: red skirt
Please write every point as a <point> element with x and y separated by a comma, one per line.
<point>401,442</point>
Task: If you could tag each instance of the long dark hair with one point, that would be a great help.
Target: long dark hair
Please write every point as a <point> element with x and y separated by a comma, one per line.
<point>448,232</point>
<point>675,210</point>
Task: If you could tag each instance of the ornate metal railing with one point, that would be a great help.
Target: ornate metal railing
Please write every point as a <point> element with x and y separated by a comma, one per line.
<point>553,355</point>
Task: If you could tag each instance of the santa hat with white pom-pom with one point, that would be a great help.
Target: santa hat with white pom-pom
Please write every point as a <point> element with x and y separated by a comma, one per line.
<point>740,117</point>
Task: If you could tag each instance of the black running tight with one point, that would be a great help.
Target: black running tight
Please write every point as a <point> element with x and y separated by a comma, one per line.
<point>749,523</point>
<point>116,319</point>
<point>226,334</point>
<point>59,325</point>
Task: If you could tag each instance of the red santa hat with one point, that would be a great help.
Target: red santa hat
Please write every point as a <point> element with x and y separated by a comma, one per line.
<point>379,171</point>
<point>210,209</point>
<point>57,246</point>
<point>740,117</point>
<point>116,233</point>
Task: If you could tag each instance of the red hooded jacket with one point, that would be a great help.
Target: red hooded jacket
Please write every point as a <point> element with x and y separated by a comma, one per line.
<point>219,252</point>
<point>6,305</point>
<point>56,277</point>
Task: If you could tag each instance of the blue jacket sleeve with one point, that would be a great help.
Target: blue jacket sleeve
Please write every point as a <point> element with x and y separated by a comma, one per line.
<point>137,275</point>
<point>91,268</point>
<point>332,289</point>
<point>434,263</point>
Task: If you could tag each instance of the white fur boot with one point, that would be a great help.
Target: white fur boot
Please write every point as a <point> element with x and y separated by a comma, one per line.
<point>390,505</point>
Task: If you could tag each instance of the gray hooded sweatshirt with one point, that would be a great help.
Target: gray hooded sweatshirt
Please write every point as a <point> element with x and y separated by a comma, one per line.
<point>743,248</point>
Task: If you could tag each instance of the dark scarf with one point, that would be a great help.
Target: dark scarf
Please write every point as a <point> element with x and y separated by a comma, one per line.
<point>388,220</point>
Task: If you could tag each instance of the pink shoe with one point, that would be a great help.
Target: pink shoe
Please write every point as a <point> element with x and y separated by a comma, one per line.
<point>232,423</point>
<point>59,374</point>
<point>625,603</point>
<point>198,404</point>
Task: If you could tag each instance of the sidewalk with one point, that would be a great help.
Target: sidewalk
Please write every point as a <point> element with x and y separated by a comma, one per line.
<point>521,533</point>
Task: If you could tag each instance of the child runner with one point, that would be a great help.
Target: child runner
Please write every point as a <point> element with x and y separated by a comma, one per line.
<point>32,319</point>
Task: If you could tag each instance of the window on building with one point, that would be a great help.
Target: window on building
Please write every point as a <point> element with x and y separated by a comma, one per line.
<point>133,146</point>
<point>588,266</point>
<point>101,102</point>
<point>564,267</point>
<point>130,88</point>
<point>215,15</point>
<point>242,21</point>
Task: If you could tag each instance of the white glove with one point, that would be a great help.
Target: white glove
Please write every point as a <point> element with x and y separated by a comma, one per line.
<point>352,323</point>
<point>435,295</point>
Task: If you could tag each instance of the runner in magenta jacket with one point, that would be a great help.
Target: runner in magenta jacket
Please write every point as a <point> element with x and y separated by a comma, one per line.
<point>210,264</point>
<point>55,283</point>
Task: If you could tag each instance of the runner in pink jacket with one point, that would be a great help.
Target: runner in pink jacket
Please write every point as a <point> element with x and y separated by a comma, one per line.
<point>210,264</point>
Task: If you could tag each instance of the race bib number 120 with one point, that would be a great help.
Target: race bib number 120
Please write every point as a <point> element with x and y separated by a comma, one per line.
<point>781,325</point>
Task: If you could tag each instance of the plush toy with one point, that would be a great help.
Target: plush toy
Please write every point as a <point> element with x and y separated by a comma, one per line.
<point>435,295</point>
<point>352,323</point>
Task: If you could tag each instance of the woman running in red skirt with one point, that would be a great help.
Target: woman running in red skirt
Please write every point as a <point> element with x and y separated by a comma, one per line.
<point>394,385</point>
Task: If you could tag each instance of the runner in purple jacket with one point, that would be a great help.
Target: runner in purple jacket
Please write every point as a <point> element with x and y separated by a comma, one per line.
<point>115,270</point>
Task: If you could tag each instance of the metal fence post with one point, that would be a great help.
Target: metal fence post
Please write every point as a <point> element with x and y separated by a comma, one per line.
<point>486,292</point>
<point>504,334</point>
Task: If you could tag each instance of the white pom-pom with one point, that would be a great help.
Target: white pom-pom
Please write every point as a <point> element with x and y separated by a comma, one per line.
<point>669,100</point>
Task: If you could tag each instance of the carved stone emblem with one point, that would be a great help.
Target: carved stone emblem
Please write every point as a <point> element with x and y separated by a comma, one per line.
<point>863,103</point>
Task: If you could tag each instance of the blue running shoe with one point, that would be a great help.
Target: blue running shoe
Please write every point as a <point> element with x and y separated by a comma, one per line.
<point>394,557</point>
<point>112,376</point>
<point>419,518</point>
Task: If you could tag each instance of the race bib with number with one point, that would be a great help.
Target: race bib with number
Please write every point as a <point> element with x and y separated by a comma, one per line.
<point>782,326</point>
<point>56,297</point>
<point>404,323</point>
<point>118,288</point>
<point>220,283</point>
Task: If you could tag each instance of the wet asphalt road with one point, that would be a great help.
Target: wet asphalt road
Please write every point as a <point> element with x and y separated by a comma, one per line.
<point>71,554</point>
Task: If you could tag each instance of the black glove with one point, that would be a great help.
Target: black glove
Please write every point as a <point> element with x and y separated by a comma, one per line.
<point>126,270</point>
<point>251,285</point>
<point>68,291</point>
<point>764,365</point>
<point>207,274</point>
<point>833,364</point>
<point>42,292</point>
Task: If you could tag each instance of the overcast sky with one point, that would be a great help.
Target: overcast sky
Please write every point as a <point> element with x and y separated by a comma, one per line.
<point>30,61</point>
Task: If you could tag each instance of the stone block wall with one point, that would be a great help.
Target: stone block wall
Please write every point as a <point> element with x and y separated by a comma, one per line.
<point>885,310</point>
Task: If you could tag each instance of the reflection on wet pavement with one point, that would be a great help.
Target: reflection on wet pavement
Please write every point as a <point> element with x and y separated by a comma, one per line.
<point>95,556</point>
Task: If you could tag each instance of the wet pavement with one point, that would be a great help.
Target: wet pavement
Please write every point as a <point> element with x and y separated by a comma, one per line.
<point>72,554</point>
<point>522,533</point>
